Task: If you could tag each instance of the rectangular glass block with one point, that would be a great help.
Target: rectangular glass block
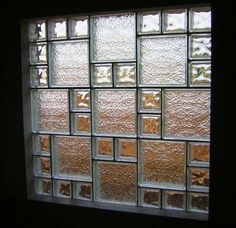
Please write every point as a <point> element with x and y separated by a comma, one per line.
<point>69,63</point>
<point>80,100</point>
<point>50,110</point>
<point>126,149</point>
<point>43,186</point>
<point>103,148</point>
<point>113,37</point>
<point>198,202</point>
<point>199,154</point>
<point>187,114</point>
<point>162,60</point>
<point>72,157</point>
<point>174,200</point>
<point>149,22</point>
<point>115,112</point>
<point>39,76</point>
<point>37,30</point>
<point>42,166</point>
<point>41,145</point>
<point>115,182</point>
<point>162,164</point>
<point>81,123</point>
<point>57,29</point>
<point>200,46</point>
<point>82,191</point>
<point>101,75</point>
<point>149,197</point>
<point>62,188</point>
<point>38,53</point>
<point>199,179</point>
<point>78,27</point>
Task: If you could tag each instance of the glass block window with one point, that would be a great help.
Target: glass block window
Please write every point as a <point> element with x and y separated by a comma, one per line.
<point>119,107</point>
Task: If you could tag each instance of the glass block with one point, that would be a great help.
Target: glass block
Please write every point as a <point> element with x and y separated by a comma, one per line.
<point>125,74</point>
<point>50,111</point>
<point>82,190</point>
<point>175,21</point>
<point>43,186</point>
<point>162,164</point>
<point>200,19</point>
<point>69,63</point>
<point>103,148</point>
<point>62,188</point>
<point>41,145</point>
<point>72,157</point>
<point>162,60</point>
<point>149,22</point>
<point>101,75</point>
<point>81,123</point>
<point>113,37</point>
<point>199,153</point>
<point>42,166</point>
<point>150,100</point>
<point>187,114</point>
<point>198,178</point>
<point>198,202</point>
<point>115,112</point>
<point>37,30</point>
<point>200,73</point>
<point>126,149</point>
<point>78,27</point>
<point>149,126</point>
<point>80,100</point>
<point>57,29</point>
<point>174,200</point>
<point>115,182</point>
<point>38,53</point>
<point>39,76</point>
<point>200,47</point>
<point>150,197</point>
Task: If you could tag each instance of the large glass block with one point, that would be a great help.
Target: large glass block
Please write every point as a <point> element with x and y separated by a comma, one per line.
<point>113,37</point>
<point>69,63</point>
<point>101,75</point>
<point>81,123</point>
<point>57,29</point>
<point>149,22</point>
<point>39,76</point>
<point>43,186</point>
<point>78,27</point>
<point>103,148</point>
<point>82,190</point>
<point>114,112</point>
<point>126,149</point>
<point>200,47</point>
<point>38,53</point>
<point>162,164</point>
<point>62,188</point>
<point>41,145</point>
<point>187,114</point>
<point>162,60</point>
<point>80,100</point>
<point>42,166</point>
<point>115,182</point>
<point>72,157</point>
<point>198,179</point>
<point>37,30</point>
<point>198,202</point>
<point>150,197</point>
<point>199,154</point>
<point>174,200</point>
<point>50,111</point>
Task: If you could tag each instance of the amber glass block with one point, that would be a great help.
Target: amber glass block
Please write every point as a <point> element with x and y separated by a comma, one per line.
<point>174,200</point>
<point>43,186</point>
<point>42,166</point>
<point>41,145</point>
<point>81,123</point>
<point>150,197</point>
<point>198,202</point>
<point>126,149</point>
<point>62,188</point>
<point>82,190</point>
<point>150,126</point>
<point>199,178</point>
<point>199,153</point>
<point>103,148</point>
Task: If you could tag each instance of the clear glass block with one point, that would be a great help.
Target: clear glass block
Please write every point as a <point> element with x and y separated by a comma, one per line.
<point>198,202</point>
<point>41,145</point>
<point>82,191</point>
<point>199,153</point>
<point>57,29</point>
<point>39,76</point>
<point>115,182</point>
<point>162,164</point>
<point>43,186</point>
<point>200,46</point>
<point>50,110</point>
<point>199,179</point>
<point>174,200</point>
<point>42,166</point>
<point>38,53</point>
<point>62,188</point>
<point>72,157</point>
<point>126,149</point>
<point>101,75</point>
<point>78,27</point>
<point>69,63</point>
<point>114,112</point>
<point>149,22</point>
<point>37,30</point>
<point>187,114</point>
<point>103,148</point>
<point>81,123</point>
<point>80,100</point>
<point>149,197</point>
<point>113,37</point>
<point>162,60</point>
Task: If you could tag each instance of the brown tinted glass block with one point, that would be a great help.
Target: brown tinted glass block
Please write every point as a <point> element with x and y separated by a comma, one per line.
<point>82,191</point>
<point>62,188</point>
<point>45,164</point>
<point>150,126</point>
<point>82,124</point>
<point>103,147</point>
<point>174,200</point>
<point>43,186</point>
<point>198,202</point>
<point>41,145</point>
<point>150,197</point>
<point>47,186</point>
<point>80,100</point>
<point>44,143</point>
<point>42,166</point>
<point>199,178</point>
<point>126,149</point>
<point>199,153</point>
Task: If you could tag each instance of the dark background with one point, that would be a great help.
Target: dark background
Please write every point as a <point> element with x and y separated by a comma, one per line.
<point>19,212</point>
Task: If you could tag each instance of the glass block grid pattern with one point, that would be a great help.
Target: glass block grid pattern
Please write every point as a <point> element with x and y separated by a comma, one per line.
<point>121,107</point>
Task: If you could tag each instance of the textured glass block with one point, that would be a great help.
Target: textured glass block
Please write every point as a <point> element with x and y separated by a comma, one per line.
<point>200,47</point>
<point>62,188</point>
<point>43,186</point>
<point>101,75</point>
<point>162,60</point>
<point>115,182</point>
<point>42,166</point>
<point>103,148</point>
<point>126,149</point>
<point>200,73</point>
<point>149,22</point>
<point>150,197</point>
<point>187,114</point>
<point>199,154</point>
<point>115,112</point>
<point>198,178</point>
<point>174,200</point>
<point>57,28</point>
<point>113,37</point>
<point>78,27</point>
<point>50,111</point>
<point>72,157</point>
<point>38,53</point>
<point>37,30</point>
<point>39,76</point>
<point>175,21</point>
<point>162,164</point>
<point>82,191</point>
<point>81,123</point>
<point>41,145</point>
<point>80,100</point>
<point>198,202</point>
<point>69,63</point>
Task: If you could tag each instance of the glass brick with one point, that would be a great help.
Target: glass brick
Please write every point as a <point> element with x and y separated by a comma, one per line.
<point>38,53</point>
<point>198,202</point>
<point>174,200</point>
<point>103,148</point>
<point>42,166</point>
<point>62,188</point>
<point>80,100</point>
<point>39,76</point>
<point>82,191</point>
<point>41,145</point>
<point>126,149</point>
<point>43,186</point>
<point>37,30</point>
<point>57,29</point>
<point>81,123</point>
<point>101,75</point>
<point>150,197</point>
<point>199,154</point>
<point>200,47</point>
<point>149,22</point>
<point>199,179</point>
<point>78,27</point>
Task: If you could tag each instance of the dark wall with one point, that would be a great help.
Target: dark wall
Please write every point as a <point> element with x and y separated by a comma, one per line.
<point>19,211</point>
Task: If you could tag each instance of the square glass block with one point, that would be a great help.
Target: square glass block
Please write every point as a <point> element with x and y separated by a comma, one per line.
<point>72,157</point>
<point>150,100</point>
<point>186,114</point>
<point>41,145</point>
<point>113,37</point>
<point>82,190</point>
<point>101,75</point>
<point>175,21</point>
<point>114,112</point>
<point>103,148</point>
<point>57,29</point>
<point>42,166</point>
<point>38,53</point>
<point>37,30</point>
<point>149,22</point>
<point>125,74</point>
<point>199,154</point>
<point>174,200</point>
<point>39,76</point>
<point>200,19</point>
<point>115,182</point>
<point>198,179</point>
<point>50,110</point>
<point>149,126</point>
<point>200,46</point>
<point>80,100</point>
<point>198,202</point>
<point>43,186</point>
<point>81,123</point>
<point>78,27</point>
<point>126,149</point>
<point>150,197</point>
<point>62,188</point>
<point>162,60</point>
<point>69,63</point>
<point>200,73</point>
<point>162,164</point>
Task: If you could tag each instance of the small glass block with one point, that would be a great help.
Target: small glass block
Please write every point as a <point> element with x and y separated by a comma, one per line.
<point>38,53</point>
<point>101,75</point>
<point>198,179</point>
<point>80,100</point>
<point>174,200</point>
<point>78,27</point>
<point>199,154</point>
<point>126,149</point>
<point>149,22</point>
<point>81,123</point>
<point>39,76</point>
<point>174,21</point>
<point>41,145</point>
<point>42,166</point>
<point>62,188</point>
<point>198,202</point>
<point>200,47</point>
<point>57,28</point>
<point>103,148</point>
<point>43,186</point>
<point>150,197</point>
<point>82,190</point>
<point>37,30</point>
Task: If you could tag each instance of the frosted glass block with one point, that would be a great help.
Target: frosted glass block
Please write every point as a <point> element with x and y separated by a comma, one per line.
<point>187,114</point>
<point>150,197</point>
<point>113,37</point>
<point>198,202</point>
<point>82,191</point>
<point>198,179</point>
<point>39,76</point>
<point>162,60</point>
<point>115,112</point>
<point>175,21</point>
<point>38,53</point>
<point>43,186</point>
<point>149,22</point>
<point>199,154</point>
<point>115,182</point>
<point>50,111</point>
<point>101,75</point>
<point>41,145</point>
<point>42,166</point>
<point>126,149</point>
<point>78,27</point>
<point>57,29</point>
<point>72,157</point>
<point>200,73</point>
<point>37,30</point>
<point>62,188</point>
<point>174,200</point>
<point>200,47</point>
<point>69,63</point>
<point>103,148</point>
<point>81,123</point>
<point>80,100</point>
<point>162,164</point>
